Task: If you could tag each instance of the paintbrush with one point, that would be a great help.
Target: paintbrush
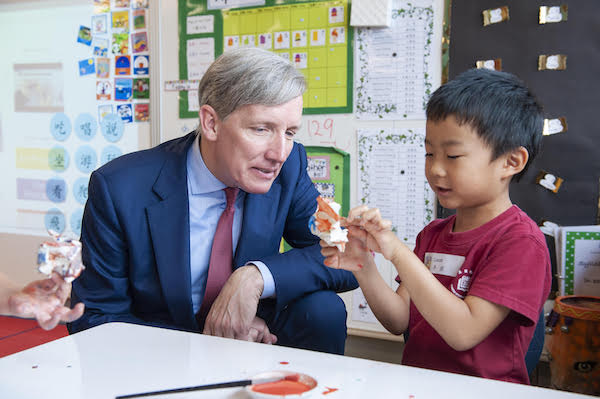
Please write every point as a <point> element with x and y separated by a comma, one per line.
<point>230,384</point>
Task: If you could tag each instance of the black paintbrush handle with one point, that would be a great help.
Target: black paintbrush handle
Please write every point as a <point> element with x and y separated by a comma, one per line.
<point>231,384</point>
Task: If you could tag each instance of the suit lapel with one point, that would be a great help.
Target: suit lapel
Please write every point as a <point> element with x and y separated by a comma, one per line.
<point>169,227</point>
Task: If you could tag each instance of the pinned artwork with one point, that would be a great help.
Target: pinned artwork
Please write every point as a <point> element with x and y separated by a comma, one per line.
<point>557,62</point>
<point>265,41</point>
<point>120,44</point>
<point>85,35</point>
<point>100,46</point>
<point>141,88</point>
<point>549,181</point>
<point>103,90</point>
<point>281,40</point>
<point>554,126</point>
<point>125,112</point>
<point>141,64</point>
<point>103,68</point>
<point>122,65</point>
<point>142,112</point>
<point>139,42</point>
<point>123,89</point>
<point>495,15</point>
<point>553,14</point>
<point>87,67</point>
<point>99,24</point>
<point>494,65</point>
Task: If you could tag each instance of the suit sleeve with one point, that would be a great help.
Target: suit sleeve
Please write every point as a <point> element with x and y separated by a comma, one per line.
<point>300,271</point>
<point>104,284</point>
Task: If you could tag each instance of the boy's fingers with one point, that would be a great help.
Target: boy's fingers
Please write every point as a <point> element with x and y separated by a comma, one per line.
<point>355,213</point>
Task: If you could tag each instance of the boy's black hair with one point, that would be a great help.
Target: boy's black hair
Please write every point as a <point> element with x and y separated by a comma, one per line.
<point>501,109</point>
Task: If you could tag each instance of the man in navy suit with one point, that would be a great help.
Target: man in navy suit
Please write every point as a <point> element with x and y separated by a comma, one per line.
<point>151,216</point>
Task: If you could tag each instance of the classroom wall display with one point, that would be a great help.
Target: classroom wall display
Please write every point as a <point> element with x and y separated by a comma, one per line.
<point>394,66</point>
<point>314,35</point>
<point>567,90</point>
<point>59,123</point>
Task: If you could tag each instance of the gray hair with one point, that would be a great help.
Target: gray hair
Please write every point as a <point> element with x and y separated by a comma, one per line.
<point>247,76</point>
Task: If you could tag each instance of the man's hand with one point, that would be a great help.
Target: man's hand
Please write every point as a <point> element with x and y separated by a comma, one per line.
<point>233,313</point>
<point>44,300</point>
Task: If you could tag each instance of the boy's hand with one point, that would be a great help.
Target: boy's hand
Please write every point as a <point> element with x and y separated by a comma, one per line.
<point>354,258</point>
<point>369,227</point>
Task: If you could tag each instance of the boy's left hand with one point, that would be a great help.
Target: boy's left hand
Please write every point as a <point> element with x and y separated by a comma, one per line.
<point>354,258</point>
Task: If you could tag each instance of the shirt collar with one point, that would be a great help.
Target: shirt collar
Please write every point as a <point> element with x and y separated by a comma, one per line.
<point>200,179</point>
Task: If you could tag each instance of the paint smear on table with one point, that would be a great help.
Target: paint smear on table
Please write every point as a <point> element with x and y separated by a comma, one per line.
<point>284,362</point>
<point>329,390</point>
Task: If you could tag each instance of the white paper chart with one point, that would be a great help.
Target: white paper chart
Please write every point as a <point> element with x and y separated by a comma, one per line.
<point>394,65</point>
<point>392,178</point>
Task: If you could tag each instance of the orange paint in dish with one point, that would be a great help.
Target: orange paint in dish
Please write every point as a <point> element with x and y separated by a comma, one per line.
<point>284,362</point>
<point>283,387</point>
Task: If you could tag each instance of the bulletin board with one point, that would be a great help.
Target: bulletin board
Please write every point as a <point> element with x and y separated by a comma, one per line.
<point>329,169</point>
<point>314,35</point>
<point>571,94</point>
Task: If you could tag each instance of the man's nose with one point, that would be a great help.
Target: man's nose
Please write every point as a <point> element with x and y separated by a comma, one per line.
<point>279,148</point>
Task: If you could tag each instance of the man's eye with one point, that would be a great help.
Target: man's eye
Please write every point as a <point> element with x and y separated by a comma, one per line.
<point>428,154</point>
<point>290,134</point>
<point>454,156</point>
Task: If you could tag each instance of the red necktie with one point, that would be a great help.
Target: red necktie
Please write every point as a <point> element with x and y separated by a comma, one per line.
<point>221,256</point>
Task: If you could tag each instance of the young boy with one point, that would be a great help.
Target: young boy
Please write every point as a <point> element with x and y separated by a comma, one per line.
<point>472,291</point>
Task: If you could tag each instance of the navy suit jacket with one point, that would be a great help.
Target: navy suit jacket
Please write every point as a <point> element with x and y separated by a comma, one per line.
<point>135,237</point>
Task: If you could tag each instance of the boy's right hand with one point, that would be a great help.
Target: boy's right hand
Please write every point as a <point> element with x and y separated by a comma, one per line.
<point>376,233</point>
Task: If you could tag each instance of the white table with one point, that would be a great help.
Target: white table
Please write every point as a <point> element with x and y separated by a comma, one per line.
<point>116,359</point>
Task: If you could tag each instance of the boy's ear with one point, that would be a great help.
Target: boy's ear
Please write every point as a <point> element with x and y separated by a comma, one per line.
<point>208,122</point>
<point>515,161</point>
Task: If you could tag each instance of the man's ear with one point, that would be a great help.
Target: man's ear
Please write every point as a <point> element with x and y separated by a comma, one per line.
<point>515,161</point>
<point>208,122</point>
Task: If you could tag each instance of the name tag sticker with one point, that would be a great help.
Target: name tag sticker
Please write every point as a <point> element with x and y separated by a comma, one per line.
<point>443,264</point>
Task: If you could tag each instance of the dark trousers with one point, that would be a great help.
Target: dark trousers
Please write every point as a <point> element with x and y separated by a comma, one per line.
<point>316,321</point>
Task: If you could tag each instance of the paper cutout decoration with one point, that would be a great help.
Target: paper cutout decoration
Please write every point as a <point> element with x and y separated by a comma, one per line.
<point>376,13</point>
<point>557,62</point>
<point>549,181</point>
<point>56,189</point>
<point>554,126</point>
<point>553,14</point>
<point>549,228</point>
<point>494,65</point>
<point>495,15</point>
<point>112,128</point>
<point>85,159</point>
<point>60,126</point>
<point>55,220</point>
<point>80,190</point>
<point>85,127</point>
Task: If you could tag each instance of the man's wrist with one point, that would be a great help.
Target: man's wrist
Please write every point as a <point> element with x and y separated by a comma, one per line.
<point>252,276</point>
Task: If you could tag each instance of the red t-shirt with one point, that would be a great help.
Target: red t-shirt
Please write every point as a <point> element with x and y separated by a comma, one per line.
<point>506,262</point>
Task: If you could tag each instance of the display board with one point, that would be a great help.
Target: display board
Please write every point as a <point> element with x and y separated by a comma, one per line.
<point>562,185</point>
<point>314,35</point>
